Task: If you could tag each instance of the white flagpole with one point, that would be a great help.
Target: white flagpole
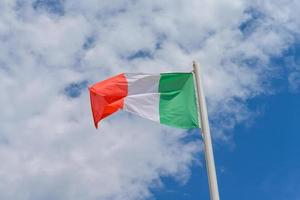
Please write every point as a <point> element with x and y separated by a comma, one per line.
<point>208,149</point>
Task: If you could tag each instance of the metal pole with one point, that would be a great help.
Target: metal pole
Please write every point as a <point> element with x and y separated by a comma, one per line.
<point>208,149</point>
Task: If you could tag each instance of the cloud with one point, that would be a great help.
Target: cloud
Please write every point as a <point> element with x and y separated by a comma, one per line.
<point>50,50</point>
<point>294,80</point>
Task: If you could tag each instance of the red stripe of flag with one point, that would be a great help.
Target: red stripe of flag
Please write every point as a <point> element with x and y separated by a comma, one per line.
<point>107,97</point>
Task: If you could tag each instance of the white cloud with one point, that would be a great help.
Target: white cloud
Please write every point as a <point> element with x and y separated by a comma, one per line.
<point>48,143</point>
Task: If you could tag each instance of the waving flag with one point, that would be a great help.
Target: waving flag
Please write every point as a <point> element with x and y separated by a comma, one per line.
<point>168,98</point>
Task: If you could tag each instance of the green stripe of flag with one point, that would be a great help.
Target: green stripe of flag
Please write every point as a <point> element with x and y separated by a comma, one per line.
<point>177,105</point>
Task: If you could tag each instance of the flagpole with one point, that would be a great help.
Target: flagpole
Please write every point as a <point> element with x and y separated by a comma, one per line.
<point>208,149</point>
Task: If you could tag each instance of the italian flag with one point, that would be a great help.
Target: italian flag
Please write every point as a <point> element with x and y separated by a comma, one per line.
<point>168,98</point>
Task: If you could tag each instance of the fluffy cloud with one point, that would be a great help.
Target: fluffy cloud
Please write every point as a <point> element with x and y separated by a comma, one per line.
<point>50,51</point>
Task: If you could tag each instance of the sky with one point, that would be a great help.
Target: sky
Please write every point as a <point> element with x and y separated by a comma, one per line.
<point>52,50</point>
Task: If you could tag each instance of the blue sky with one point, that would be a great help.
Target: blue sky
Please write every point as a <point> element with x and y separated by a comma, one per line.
<point>52,50</point>
<point>263,164</point>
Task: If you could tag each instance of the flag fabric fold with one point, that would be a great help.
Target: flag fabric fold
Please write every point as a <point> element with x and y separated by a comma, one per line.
<point>168,98</point>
